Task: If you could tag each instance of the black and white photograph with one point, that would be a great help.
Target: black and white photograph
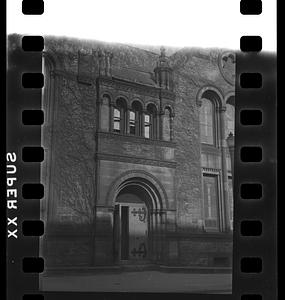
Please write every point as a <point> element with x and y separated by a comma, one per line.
<point>139,145</point>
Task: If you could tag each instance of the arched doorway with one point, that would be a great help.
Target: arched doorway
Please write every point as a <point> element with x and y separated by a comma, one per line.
<point>137,222</point>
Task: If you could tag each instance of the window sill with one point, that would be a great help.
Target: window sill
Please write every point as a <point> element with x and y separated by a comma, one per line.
<point>136,138</point>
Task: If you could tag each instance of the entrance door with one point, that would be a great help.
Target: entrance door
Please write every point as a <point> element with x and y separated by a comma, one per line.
<point>132,242</point>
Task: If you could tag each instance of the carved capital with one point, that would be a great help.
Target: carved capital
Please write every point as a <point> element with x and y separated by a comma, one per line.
<point>222,109</point>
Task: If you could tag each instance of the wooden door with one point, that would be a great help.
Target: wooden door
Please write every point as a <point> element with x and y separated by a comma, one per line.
<point>138,232</point>
<point>133,234</point>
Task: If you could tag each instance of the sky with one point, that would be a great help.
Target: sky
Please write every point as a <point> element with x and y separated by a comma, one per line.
<point>174,23</point>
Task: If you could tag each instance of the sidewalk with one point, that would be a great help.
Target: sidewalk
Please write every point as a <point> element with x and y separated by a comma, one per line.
<point>143,281</point>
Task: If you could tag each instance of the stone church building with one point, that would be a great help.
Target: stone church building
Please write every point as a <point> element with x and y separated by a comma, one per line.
<point>138,147</point>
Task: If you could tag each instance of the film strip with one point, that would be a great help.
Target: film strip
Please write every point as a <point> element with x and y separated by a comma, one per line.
<point>255,210</point>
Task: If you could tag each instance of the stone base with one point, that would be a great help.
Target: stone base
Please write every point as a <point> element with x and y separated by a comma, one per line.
<point>201,251</point>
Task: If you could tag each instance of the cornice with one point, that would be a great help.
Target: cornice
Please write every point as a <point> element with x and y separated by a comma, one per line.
<point>120,84</point>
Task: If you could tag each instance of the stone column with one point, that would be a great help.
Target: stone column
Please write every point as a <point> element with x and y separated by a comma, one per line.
<point>111,126</point>
<point>127,121</point>
<point>160,126</point>
<point>167,80</point>
<point>157,126</point>
<point>225,185</point>
<point>171,124</point>
<point>142,123</point>
<point>153,216</point>
<point>163,244</point>
<point>231,146</point>
<point>103,238</point>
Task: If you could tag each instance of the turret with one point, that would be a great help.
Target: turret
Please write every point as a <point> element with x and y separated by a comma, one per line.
<point>163,72</point>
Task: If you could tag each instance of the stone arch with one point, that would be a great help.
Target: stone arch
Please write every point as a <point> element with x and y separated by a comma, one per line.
<point>126,99</point>
<point>218,97</point>
<point>50,60</point>
<point>229,96</point>
<point>143,179</point>
<point>137,100</point>
<point>214,96</point>
<point>108,94</point>
<point>151,103</point>
<point>170,108</point>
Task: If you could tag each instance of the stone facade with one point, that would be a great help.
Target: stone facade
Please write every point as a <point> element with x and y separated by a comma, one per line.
<point>88,163</point>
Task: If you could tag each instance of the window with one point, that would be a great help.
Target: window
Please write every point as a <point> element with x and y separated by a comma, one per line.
<point>230,120</point>
<point>210,185</point>
<point>207,122</point>
<point>117,120</point>
<point>132,122</point>
<point>135,118</point>
<point>147,126</point>
<point>119,116</point>
<point>231,200</point>
<point>136,121</point>
<point>150,122</point>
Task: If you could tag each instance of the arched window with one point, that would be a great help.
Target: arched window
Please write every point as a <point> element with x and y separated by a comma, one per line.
<point>207,122</point>
<point>117,120</point>
<point>135,118</point>
<point>230,116</point>
<point>132,122</point>
<point>119,116</point>
<point>147,125</point>
<point>150,122</point>
<point>166,133</point>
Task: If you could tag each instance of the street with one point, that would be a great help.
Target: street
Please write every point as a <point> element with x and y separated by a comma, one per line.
<point>143,281</point>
